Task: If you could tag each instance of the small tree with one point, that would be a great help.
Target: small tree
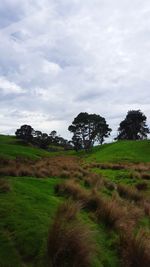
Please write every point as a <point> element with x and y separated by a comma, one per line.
<point>133,127</point>
<point>87,129</point>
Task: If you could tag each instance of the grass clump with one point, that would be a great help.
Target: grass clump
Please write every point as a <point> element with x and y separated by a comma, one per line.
<point>4,186</point>
<point>142,186</point>
<point>128,192</point>
<point>145,176</point>
<point>70,242</point>
<point>135,249</point>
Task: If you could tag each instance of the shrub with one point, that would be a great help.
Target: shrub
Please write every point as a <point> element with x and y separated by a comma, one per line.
<point>70,242</point>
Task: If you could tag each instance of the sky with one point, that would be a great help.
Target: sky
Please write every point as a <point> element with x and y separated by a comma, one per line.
<point>62,57</point>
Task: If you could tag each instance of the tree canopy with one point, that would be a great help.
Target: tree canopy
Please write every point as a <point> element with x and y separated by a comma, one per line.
<point>87,129</point>
<point>42,140</point>
<point>133,127</point>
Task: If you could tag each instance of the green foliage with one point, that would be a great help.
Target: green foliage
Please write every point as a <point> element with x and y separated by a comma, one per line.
<point>133,127</point>
<point>88,128</point>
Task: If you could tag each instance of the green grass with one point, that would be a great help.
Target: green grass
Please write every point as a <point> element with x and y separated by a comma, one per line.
<point>122,151</point>
<point>107,255</point>
<point>11,147</point>
<point>28,209</point>
<point>26,213</point>
<point>117,176</point>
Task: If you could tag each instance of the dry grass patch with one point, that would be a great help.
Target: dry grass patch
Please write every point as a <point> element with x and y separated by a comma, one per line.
<point>142,186</point>
<point>135,249</point>
<point>93,180</point>
<point>46,167</point>
<point>145,176</point>
<point>70,242</point>
<point>129,192</point>
<point>71,189</point>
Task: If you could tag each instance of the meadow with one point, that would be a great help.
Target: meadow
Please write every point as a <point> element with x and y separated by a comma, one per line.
<point>69,209</point>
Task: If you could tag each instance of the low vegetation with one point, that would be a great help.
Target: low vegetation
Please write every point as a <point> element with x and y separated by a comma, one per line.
<point>72,209</point>
<point>70,242</point>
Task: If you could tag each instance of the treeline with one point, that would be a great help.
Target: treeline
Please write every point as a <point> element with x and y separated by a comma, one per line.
<point>88,129</point>
<point>42,140</point>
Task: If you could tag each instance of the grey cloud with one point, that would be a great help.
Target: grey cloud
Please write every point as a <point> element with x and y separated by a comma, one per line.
<point>71,56</point>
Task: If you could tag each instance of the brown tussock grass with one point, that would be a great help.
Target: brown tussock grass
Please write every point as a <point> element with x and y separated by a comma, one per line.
<point>142,186</point>
<point>71,189</point>
<point>145,176</point>
<point>135,249</point>
<point>110,185</point>
<point>93,180</point>
<point>46,167</point>
<point>70,242</point>
<point>146,207</point>
<point>129,192</point>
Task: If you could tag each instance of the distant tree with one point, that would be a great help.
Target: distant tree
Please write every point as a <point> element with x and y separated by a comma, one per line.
<point>87,129</point>
<point>133,127</point>
<point>25,132</point>
<point>52,136</point>
<point>42,140</point>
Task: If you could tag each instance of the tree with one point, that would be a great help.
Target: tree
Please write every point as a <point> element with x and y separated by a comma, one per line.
<point>87,129</point>
<point>133,127</point>
<point>25,132</point>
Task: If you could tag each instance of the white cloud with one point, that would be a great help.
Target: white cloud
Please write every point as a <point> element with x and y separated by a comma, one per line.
<point>72,56</point>
<point>9,87</point>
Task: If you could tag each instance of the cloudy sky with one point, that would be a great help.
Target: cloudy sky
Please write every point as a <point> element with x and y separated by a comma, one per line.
<point>62,57</point>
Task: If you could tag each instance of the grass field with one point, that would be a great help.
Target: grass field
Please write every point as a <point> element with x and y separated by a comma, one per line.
<point>114,215</point>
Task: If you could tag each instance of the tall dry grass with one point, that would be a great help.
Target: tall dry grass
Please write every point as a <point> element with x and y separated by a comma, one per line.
<point>135,249</point>
<point>70,242</point>
<point>129,192</point>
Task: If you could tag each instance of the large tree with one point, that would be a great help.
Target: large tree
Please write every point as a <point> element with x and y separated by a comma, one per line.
<point>133,127</point>
<point>87,129</point>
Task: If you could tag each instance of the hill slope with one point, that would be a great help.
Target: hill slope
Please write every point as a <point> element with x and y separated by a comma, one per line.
<point>11,147</point>
<point>32,191</point>
<point>130,151</point>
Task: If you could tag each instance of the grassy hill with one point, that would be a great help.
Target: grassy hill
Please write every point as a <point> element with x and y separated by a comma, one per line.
<point>32,192</point>
<point>122,151</point>
<point>11,147</point>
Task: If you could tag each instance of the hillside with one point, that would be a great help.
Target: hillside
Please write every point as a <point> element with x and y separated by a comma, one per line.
<point>35,212</point>
<point>122,151</point>
<point>11,147</point>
